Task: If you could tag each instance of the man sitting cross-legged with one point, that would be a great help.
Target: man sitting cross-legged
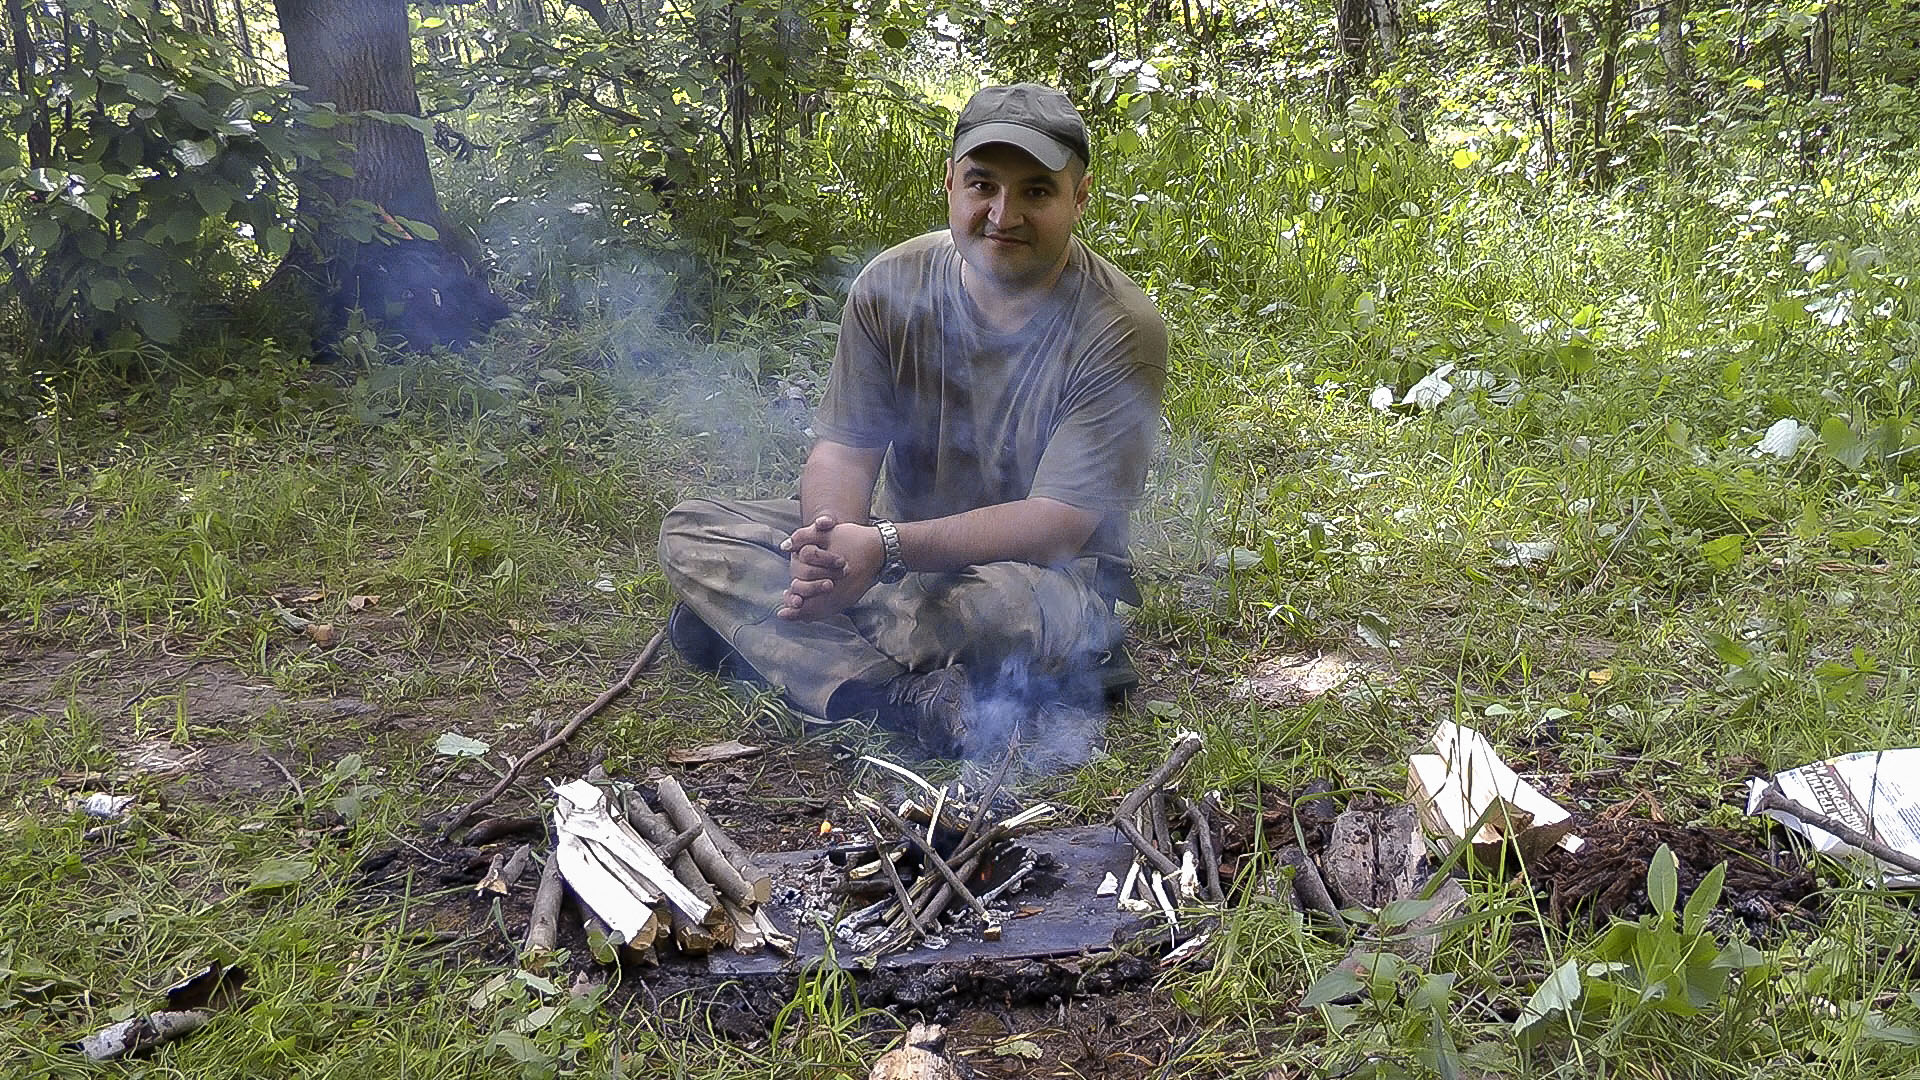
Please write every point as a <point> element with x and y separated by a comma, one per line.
<point>1009,380</point>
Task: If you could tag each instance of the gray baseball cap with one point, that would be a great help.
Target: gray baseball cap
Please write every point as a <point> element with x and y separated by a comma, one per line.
<point>1035,118</point>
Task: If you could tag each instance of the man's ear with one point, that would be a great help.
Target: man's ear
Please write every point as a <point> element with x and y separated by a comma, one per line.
<point>947,181</point>
<point>1081,192</point>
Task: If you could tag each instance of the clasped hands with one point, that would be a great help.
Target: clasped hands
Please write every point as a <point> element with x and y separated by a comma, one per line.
<point>833,565</point>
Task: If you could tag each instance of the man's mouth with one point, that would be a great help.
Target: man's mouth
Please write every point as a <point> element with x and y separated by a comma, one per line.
<point>1004,238</point>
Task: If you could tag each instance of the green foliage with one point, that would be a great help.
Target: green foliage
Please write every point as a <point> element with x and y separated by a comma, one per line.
<point>138,178</point>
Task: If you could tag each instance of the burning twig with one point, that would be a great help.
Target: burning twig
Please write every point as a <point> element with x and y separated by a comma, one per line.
<point>931,857</point>
<point>621,686</point>
<point>885,862</point>
<point>1185,746</point>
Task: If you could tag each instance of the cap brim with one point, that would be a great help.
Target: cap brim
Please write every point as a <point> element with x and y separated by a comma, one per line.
<point>1046,150</point>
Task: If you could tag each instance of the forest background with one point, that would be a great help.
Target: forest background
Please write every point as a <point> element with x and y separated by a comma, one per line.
<point>1550,365</point>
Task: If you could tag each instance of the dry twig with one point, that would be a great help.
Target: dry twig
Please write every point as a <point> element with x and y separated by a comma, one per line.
<point>621,686</point>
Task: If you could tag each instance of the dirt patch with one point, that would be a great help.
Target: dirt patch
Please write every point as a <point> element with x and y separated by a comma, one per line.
<point>1608,877</point>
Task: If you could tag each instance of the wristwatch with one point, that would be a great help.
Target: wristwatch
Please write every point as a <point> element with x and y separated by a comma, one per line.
<point>895,565</point>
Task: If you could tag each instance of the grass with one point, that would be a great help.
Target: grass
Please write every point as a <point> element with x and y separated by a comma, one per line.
<point>1706,613</point>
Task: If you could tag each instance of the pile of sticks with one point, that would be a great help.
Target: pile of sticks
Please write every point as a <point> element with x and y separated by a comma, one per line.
<point>1170,870</point>
<point>650,876</point>
<point>928,855</point>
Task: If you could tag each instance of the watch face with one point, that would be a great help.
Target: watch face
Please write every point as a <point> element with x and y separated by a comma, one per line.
<point>892,572</point>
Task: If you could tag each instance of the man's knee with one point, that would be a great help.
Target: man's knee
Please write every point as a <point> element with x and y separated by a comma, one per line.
<point>687,525</point>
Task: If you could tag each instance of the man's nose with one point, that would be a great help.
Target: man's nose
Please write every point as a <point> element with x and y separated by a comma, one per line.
<point>1002,212</point>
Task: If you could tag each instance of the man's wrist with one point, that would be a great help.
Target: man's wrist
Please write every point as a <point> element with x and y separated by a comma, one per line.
<point>893,561</point>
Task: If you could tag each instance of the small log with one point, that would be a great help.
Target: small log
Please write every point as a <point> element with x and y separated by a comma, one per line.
<point>1160,833</point>
<point>777,939</point>
<point>1308,887</point>
<point>495,828</point>
<point>1348,860</point>
<point>705,851</point>
<point>545,919</point>
<point>657,830</point>
<point>1185,746</point>
<point>919,1057</point>
<point>680,843</point>
<point>1200,826</point>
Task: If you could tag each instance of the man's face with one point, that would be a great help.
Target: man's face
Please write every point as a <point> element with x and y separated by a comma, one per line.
<point>1012,216</point>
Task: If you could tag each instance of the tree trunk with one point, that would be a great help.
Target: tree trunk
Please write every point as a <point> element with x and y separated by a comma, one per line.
<point>1603,93</point>
<point>1676,56</point>
<point>1387,25</point>
<point>1352,26</point>
<point>1573,52</point>
<point>357,55</point>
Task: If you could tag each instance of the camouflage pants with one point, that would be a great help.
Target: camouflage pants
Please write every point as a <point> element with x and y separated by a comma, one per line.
<point>724,561</point>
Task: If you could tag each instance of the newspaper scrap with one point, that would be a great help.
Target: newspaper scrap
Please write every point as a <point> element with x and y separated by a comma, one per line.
<point>1876,792</point>
<point>1464,782</point>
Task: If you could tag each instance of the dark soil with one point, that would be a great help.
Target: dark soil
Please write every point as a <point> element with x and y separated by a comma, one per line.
<point>1608,877</point>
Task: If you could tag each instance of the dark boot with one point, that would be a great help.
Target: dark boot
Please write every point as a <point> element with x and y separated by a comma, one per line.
<point>697,643</point>
<point>936,706</point>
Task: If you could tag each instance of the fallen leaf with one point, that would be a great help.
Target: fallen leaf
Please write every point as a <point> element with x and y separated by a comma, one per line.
<point>311,598</point>
<point>826,828</point>
<point>360,601</point>
<point>321,633</point>
<point>1600,676</point>
<point>454,744</point>
<point>1026,912</point>
<point>731,750</point>
<point>1020,1048</point>
<point>280,873</point>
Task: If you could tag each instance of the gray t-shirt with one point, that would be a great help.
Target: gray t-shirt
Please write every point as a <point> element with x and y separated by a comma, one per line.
<point>1066,408</point>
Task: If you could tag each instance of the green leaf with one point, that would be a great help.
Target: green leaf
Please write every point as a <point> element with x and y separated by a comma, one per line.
<point>1663,881</point>
<point>144,87</point>
<point>104,293</point>
<point>158,321</point>
<point>280,873</point>
<point>895,37</point>
<point>1723,552</point>
<point>1020,1048</point>
<point>454,744</point>
<point>213,198</point>
<point>1704,897</point>
<point>520,1048</point>
<point>42,233</point>
<point>1336,985</point>
<point>1838,439</point>
<point>1559,994</point>
<point>194,153</point>
<point>1730,652</point>
<point>419,229</point>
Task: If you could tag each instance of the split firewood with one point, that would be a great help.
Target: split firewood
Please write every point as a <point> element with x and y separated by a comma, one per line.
<point>504,871</point>
<point>777,939</point>
<point>1347,861</point>
<point>543,922</point>
<point>1185,746</point>
<point>616,873</point>
<point>610,949</point>
<point>747,938</point>
<point>920,1057</point>
<point>705,849</point>
<point>1419,938</point>
<point>657,830</point>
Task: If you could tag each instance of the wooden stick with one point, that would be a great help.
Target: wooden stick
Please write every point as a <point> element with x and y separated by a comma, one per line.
<point>516,866</point>
<point>1309,886</point>
<point>692,936</point>
<point>758,879</point>
<point>680,843</point>
<point>545,918</point>
<point>899,887</point>
<point>1200,842</point>
<point>621,686</point>
<point>1185,746</point>
<point>724,876</point>
<point>932,858</point>
<point>1772,799</point>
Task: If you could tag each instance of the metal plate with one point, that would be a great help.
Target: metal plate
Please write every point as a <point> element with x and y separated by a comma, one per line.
<point>1071,918</point>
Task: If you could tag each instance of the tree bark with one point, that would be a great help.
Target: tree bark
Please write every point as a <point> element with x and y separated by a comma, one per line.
<point>1388,28</point>
<point>357,55</point>
<point>1603,93</point>
<point>1351,26</point>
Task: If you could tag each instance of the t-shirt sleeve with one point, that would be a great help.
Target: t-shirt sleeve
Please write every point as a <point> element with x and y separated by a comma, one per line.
<point>858,407</point>
<point>1101,447</point>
